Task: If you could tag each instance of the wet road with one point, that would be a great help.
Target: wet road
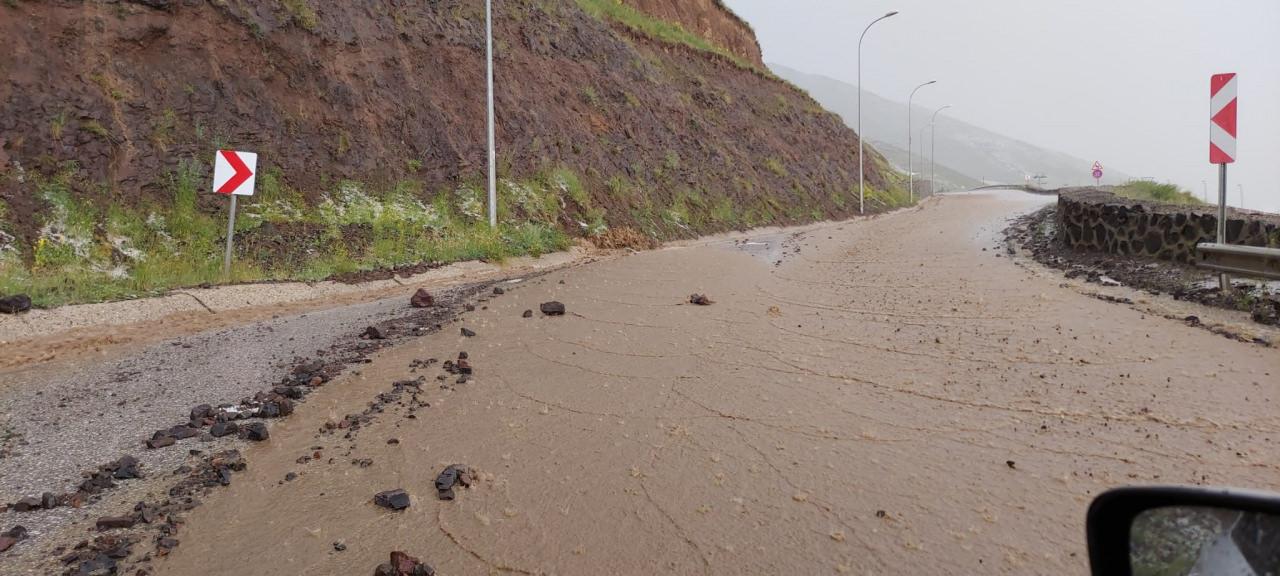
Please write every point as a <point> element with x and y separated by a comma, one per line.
<point>895,396</point>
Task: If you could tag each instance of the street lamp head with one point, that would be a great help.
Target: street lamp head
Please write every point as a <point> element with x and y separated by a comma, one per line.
<point>890,14</point>
<point>930,82</point>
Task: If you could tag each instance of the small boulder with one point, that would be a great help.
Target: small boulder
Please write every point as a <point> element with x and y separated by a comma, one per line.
<point>552,308</point>
<point>12,536</point>
<point>201,412</point>
<point>396,499</point>
<point>161,439</point>
<point>468,332</point>
<point>113,522</point>
<point>422,299</point>
<point>374,333</point>
<point>527,314</point>
<point>15,304</point>
<point>700,300</point>
<point>498,291</point>
<point>255,431</point>
<point>220,429</point>
<point>27,504</point>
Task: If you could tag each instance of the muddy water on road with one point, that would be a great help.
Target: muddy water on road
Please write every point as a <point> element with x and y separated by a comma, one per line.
<point>890,399</point>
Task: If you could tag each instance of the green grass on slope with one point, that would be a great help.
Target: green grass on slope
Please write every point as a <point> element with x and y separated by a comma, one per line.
<point>1167,193</point>
<point>88,254</point>
<point>655,28</point>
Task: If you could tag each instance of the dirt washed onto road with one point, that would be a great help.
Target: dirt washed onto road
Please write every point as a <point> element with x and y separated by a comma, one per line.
<point>894,396</point>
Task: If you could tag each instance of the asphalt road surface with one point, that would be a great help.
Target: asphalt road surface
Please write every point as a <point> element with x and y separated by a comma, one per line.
<point>887,396</point>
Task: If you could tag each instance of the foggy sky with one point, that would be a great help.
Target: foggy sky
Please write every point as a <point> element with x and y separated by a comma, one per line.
<point>1124,82</point>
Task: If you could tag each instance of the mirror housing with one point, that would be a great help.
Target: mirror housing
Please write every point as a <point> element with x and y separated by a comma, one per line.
<point>1111,516</point>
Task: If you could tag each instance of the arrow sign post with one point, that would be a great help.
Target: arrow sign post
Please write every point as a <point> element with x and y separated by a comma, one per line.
<point>1097,173</point>
<point>234,174</point>
<point>1222,146</point>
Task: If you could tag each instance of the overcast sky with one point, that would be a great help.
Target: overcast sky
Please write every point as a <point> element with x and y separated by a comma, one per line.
<point>1124,82</point>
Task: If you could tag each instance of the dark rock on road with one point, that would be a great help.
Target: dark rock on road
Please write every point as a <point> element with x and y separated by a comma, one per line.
<point>552,308</point>
<point>373,333</point>
<point>254,432</point>
<point>468,332</point>
<point>12,536</point>
<point>113,522</point>
<point>221,429</point>
<point>422,299</point>
<point>700,300</point>
<point>402,564</point>
<point>396,499</point>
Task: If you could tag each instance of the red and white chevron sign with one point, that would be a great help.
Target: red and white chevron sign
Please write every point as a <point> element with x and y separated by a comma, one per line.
<point>1222,118</point>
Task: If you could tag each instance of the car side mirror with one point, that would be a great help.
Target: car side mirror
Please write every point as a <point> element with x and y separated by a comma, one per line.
<point>1184,531</point>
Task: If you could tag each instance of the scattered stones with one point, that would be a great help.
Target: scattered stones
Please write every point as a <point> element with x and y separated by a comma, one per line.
<point>113,522</point>
<point>455,474</point>
<point>402,564</point>
<point>498,291</point>
<point>1192,320</point>
<point>468,332</point>
<point>527,314</point>
<point>700,300</point>
<point>422,299</point>
<point>552,308</point>
<point>393,441</point>
<point>373,333</point>
<point>221,429</point>
<point>48,501</point>
<point>254,432</point>
<point>1011,464</point>
<point>15,304</point>
<point>340,546</point>
<point>12,536</point>
<point>291,476</point>
<point>396,499</point>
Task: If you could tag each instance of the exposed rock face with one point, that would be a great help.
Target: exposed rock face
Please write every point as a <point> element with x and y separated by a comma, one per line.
<point>1097,220</point>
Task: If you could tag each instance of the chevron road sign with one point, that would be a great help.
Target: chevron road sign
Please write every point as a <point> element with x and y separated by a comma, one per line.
<point>1222,119</point>
<point>234,174</point>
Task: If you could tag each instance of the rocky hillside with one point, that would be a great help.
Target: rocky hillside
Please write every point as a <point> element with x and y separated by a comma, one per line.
<point>652,115</point>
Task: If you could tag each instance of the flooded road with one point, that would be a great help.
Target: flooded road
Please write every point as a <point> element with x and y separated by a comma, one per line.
<point>888,396</point>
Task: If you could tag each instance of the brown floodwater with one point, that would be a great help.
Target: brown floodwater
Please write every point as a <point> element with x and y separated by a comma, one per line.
<point>890,399</point>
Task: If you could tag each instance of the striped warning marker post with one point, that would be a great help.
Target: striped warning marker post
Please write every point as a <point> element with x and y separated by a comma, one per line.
<point>1222,119</point>
<point>1222,146</point>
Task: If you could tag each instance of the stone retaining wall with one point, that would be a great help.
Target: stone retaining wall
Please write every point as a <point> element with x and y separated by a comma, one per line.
<point>1092,219</point>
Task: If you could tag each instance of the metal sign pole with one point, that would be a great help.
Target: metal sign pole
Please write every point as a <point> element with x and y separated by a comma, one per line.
<point>231,232</point>
<point>1224,283</point>
<point>493,183</point>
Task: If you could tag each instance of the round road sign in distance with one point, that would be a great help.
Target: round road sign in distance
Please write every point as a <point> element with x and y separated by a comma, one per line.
<point>1097,173</point>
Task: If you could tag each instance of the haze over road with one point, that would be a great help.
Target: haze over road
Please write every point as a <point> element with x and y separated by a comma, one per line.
<point>896,396</point>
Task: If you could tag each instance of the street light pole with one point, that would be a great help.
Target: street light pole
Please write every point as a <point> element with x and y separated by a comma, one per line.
<point>933,148</point>
<point>911,187</point>
<point>922,129</point>
<point>861,184</point>
<point>493,176</point>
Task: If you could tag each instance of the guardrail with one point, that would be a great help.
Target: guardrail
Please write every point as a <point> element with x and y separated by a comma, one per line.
<point>1240,260</point>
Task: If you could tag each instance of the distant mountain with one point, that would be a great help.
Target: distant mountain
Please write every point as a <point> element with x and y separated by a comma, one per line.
<point>970,153</point>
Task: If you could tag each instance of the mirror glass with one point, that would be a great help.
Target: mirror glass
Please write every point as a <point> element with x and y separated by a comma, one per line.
<point>1198,541</point>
